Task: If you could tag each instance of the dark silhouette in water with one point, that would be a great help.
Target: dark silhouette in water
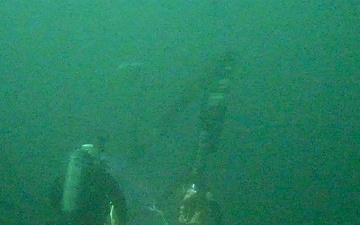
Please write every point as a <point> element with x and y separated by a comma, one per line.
<point>198,204</point>
<point>95,189</point>
<point>194,89</point>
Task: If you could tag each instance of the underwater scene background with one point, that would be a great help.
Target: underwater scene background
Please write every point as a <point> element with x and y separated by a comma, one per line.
<point>135,70</point>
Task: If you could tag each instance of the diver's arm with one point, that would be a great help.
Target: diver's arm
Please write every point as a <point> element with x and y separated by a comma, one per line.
<point>55,193</point>
<point>118,207</point>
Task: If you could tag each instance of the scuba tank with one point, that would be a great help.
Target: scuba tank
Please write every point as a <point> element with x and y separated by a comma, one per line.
<point>90,194</point>
<point>80,165</point>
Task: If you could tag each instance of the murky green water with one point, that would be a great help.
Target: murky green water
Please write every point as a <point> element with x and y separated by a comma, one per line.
<point>289,151</point>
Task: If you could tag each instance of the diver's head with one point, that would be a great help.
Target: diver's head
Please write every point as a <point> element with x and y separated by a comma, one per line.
<point>229,58</point>
<point>102,138</point>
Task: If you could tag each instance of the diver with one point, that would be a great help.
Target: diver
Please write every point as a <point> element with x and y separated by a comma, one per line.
<point>198,205</point>
<point>89,195</point>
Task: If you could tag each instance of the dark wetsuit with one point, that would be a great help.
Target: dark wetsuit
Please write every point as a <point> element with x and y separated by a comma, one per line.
<point>99,190</point>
